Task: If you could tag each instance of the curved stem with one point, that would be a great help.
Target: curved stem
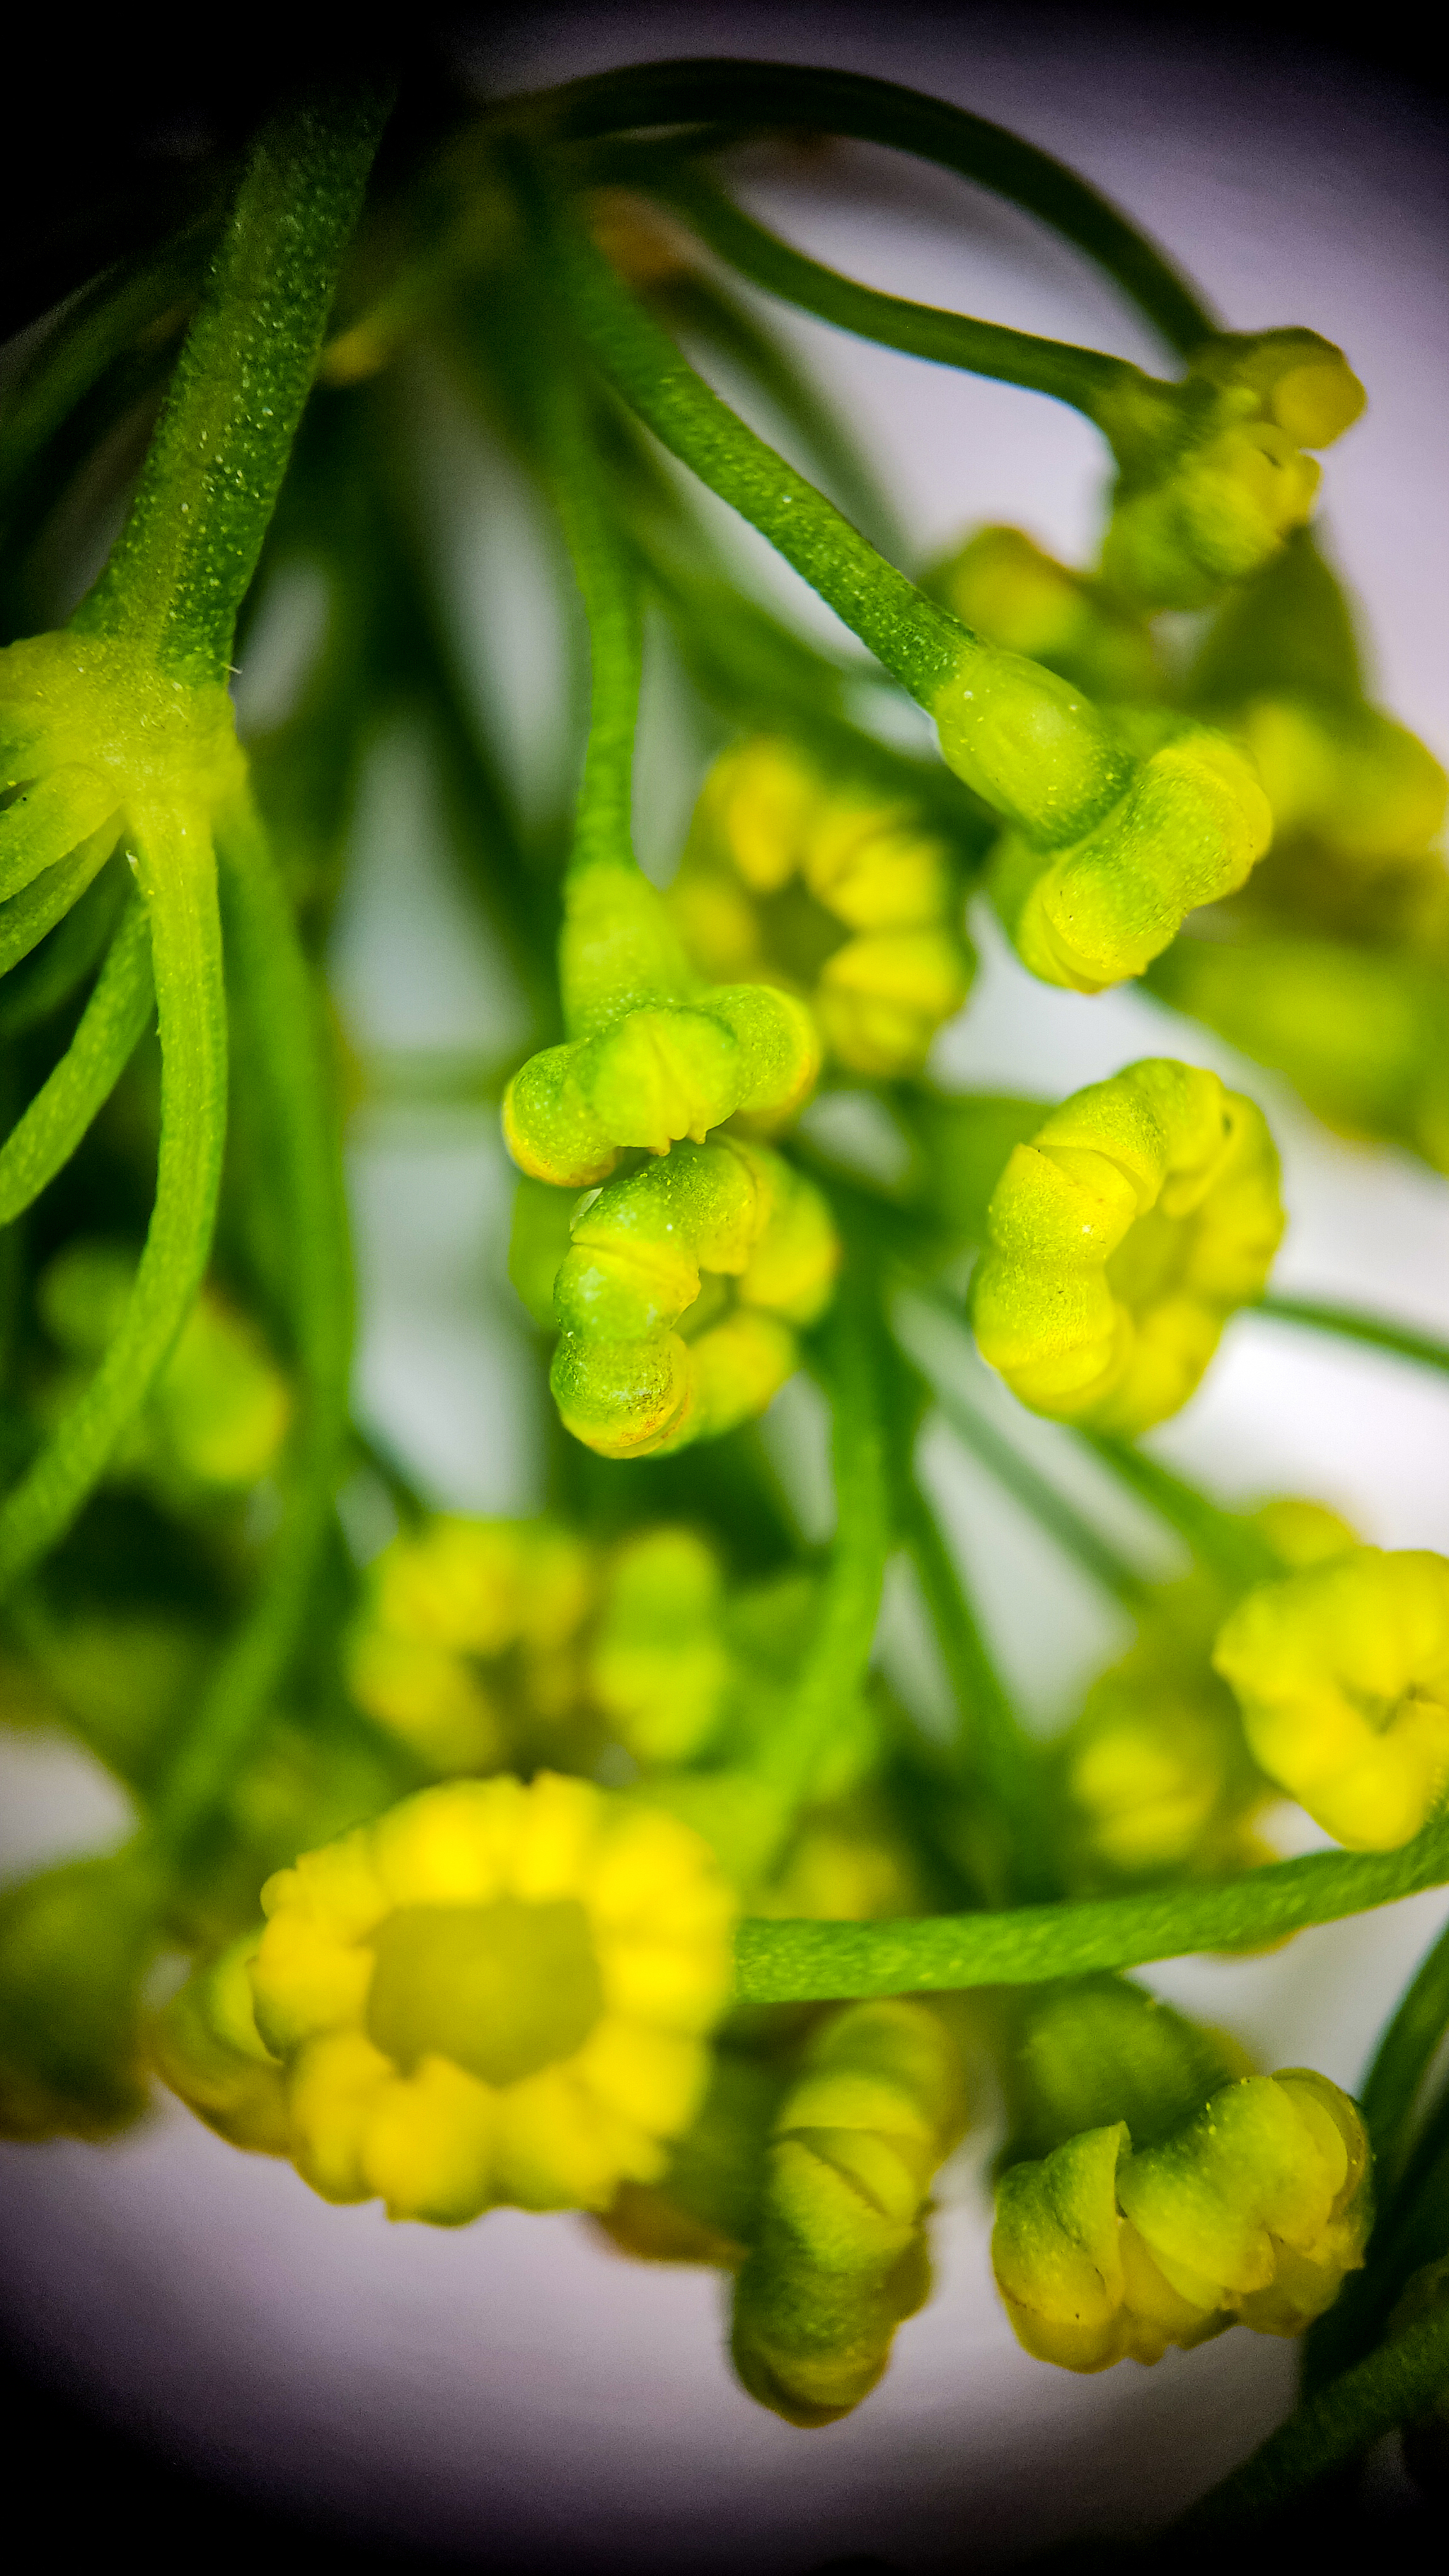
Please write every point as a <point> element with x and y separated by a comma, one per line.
<point>111,1024</point>
<point>1103,387</point>
<point>1397,2383</point>
<point>28,916</point>
<point>292,1058</point>
<point>1377,1331</point>
<point>1077,1537</point>
<point>920,643</point>
<point>178,572</point>
<point>1225,1542</point>
<point>80,943</point>
<point>795,1962</point>
<point>835,1663</point>
<point>176,874</point>
<point>1402,2060</point>
<point>797,98</point>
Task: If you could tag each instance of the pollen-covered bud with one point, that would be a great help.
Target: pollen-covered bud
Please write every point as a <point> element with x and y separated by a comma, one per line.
<point>652,1353</point>
<point>463,1618</point>
<point>840,2257</point>
<point>654,1054</point>
<point>1188,828</point>
<point>208,2050</point>
<point>1007,589</point>
<point>659,1667</point>
<point>75,1945</point>
<point>1342,1674</point>
<point>1251,2214</point>
<point>494,1994</point>
<point>830,889</point>
<point>1120,1240</point>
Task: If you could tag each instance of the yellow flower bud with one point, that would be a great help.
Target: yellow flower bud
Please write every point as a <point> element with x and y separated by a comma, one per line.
<point>207,2048</point>
<point>1345,776</point>
<point>840,2256</point>
<point>1342,1674</point>
<point>660,1667</point>
<point>1121,1239</point>
<point>1221,511</point>
<point>654,1054</point>
<point>1007,589</point>
<point>1301,381</point>
<point>1250,2213</point>
<point>1188,828</point>
<point>494,1994</point>
<point>831,889</point>
<point>625,1377</point>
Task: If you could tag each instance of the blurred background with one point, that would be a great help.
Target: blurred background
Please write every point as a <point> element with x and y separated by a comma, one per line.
<point>516,2394</point>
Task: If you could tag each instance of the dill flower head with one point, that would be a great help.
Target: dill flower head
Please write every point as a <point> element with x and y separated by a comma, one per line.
<point>831,888</point>
<point>496,1993</point>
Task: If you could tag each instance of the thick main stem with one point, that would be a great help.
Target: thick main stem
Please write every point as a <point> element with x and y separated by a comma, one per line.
<point>181,566</point>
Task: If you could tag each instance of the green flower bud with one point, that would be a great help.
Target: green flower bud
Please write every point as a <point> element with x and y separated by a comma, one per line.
<point>75,1945</point>
<point>207,2048</point>
<point>840,2256</point>
<point>625,1380</point>
<point>705,2208</point>
<point>1217,516</point>
<point>1095,2050</point>
<point>1251,2212</point>
<point>1028,743</point>
<point>1302,382</point>
<point>1120,1241</point>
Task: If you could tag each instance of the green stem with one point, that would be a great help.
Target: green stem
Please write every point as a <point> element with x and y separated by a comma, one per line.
<point>1119,398</point>
<point>48,1133</point>
<point>1402,2060</point>
<point>181,566</point>
<point>794,98</point>
<point>1228,1545</point>
<point>1075,1535</point>
<point>1353,1326</point>
<point>992,1742</point>
<point>835,1662</point>
<point>918,642</point>
<point>80,942</point>
<point>293,1058</point>
<point>176,874</point>
<point>1395,2385</point>
<point>29,916</point>
<point>796,1962</point>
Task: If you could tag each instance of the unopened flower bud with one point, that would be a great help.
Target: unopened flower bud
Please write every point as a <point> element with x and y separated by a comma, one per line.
<point>1145,1211</point>
<point>208,2049</point>
<point>75,1944</point>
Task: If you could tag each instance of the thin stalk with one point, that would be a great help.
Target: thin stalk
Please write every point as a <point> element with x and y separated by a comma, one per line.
<point>792,98</point>
<point>28,917</point>
<point>176,876</point>
<point>603,815</point>
<point>1111,392</point>
<point>1074,1534</point>
<point>992,1743</point>
<point>798,1962</point>
<point>181,566</point>
<point>1394,2385</point>
<point>78,946</point>
<point>1402,2060</point>
<point>836,1660</point>
<point>110,1028</point>
<point>293,1059</point>
<point>1377,1331</point>
<point>1227,1544</point>
<point>920,643</point>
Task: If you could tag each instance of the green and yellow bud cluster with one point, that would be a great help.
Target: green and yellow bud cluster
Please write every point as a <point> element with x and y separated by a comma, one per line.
<point>1342,1674</point>
<point>1143,1213</point>
<point>1156,1776</point>
<point>1249,2214</point>
<point>839,2258</point>
<point>1218,504</point>
<point>496,1993</point>
<point>831,890</point>
<point>654,1053</point>
<point>1009,590</point>
<point>654,1350</point>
